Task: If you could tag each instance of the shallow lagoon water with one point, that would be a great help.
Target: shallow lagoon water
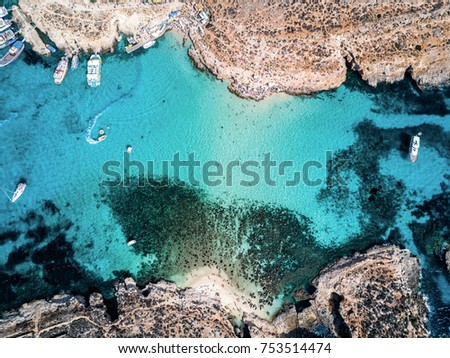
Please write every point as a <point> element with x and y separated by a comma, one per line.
<point>158,103</point>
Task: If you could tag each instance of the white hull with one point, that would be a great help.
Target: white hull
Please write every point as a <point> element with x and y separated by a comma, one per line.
<point>61,70</point>
<point>18,192</point>
<point>94,68</point>
<point>414,148</point>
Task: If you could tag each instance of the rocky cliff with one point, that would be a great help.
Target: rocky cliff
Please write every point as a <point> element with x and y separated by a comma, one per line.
<point>370,294</point>
<point>265,47</point>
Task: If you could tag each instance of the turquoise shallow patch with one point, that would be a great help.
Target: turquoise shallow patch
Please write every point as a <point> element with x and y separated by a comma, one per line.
<point>158,103</point>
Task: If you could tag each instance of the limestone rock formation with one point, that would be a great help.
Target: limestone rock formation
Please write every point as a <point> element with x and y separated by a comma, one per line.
<point>374,294</point>
<point>301,47</point>
<point>368,295</point>
<point>265,47</point>
<point>161,310</point>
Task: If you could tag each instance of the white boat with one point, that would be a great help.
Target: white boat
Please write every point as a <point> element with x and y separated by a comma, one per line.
<point>75,62</point>
<point>94,68</point>
<point>17,193</point>
<point>131,242</point>
<point>149,44</point>
<point>14,51</point>
<point>4,24</point>
<point>3,11</point>
<point>414,148</point>
<point>61,70</point>
<point>7,38</point>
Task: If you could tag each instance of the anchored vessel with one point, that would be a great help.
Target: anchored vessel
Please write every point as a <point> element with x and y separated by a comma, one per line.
<point>4,24</point>
<point>61,70</point>
<point>94,67</point>
<point>13,53</point>
<point>7,38</point>
<point>414,147</point>
<point>75,62</point>
<point>149,44</point>
<point>50,48</point>
<point>18,192</point>
<point>3,11</point>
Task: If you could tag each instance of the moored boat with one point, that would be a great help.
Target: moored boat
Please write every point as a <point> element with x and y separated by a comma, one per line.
<point>7,38</point>
<point>4,24</point>
<point>94,67</point>
<point>3,11</point>
<point>75,62</point>
<point>149,44</point>
<point>50,48</point>
<point>414,147</point>
<point>14,51</point>
<point>18,192</point>
<point>61,70</point>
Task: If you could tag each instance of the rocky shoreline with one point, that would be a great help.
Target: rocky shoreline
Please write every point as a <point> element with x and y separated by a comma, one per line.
<point>267,47</point>
<point>372,294</point>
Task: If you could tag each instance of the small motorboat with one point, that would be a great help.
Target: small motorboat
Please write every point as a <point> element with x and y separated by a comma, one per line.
<point>101,135</point>
<point>4,24</point>
<point>149,44</point>
<point>50,48</point>
<point>61,70</point>
<point>3,11</point>
<point>129,149</point>
<point>75,62</point>
<point>131,242</point>
<point>414,148</point>
<point>17,193</point>
<point>13,54</point>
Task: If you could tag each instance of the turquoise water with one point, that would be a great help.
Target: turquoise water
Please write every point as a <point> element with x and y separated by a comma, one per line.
<point>67,223</point>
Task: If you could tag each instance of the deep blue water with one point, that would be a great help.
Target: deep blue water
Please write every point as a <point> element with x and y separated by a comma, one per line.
<point>69,233</point>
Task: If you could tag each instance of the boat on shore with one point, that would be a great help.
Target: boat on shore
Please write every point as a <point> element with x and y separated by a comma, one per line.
<point>3,11</point>
<point>4,24</point>
<point>61,70</point>
<point>94,67</point>
<point>7,38</point>
<point>414,148</point>
<point>75,62</point>
<point>14,51</point>
<point>50,48</point>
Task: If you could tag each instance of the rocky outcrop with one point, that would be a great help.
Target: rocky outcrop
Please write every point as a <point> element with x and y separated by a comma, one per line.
<point>265,47</point>
<point>161,310</point>
<point>301,47</point>
<point>368,295</point>
<point>374,294</point>
<point>75,25</point>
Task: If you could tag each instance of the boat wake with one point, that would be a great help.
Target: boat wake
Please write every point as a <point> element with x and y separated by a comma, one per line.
<point>93,122</point>
<point>11,116</point>
<point>91,126</point>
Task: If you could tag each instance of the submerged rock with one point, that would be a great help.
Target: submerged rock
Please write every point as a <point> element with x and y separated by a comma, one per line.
<point>374,294</point>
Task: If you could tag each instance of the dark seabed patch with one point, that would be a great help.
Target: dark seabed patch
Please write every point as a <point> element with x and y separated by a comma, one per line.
<point>402,97</point>
<point>252,243</point>
<point>381,198</point>
<point>45,264</point>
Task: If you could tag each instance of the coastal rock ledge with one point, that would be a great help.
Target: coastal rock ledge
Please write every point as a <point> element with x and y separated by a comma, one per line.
<point>374,294</point>
<point>266,47</point>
